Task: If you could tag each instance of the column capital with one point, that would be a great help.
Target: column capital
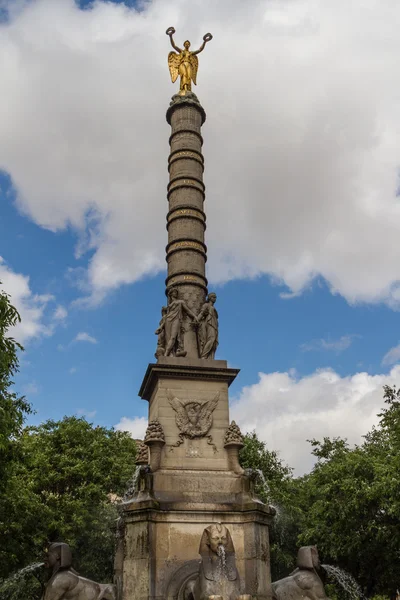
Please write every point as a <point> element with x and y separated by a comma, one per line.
<point>189,99</point>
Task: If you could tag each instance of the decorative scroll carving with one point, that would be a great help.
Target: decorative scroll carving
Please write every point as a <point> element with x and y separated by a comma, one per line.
<point>154,432</point>
<point>233,435</point>
<point>208,328</point>
<point>193,418</point>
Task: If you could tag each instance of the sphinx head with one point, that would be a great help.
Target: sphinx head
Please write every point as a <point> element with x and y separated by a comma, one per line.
<point>213,538</point>
<point>307,558</point>
<point>59,556</point>
<point>216,542</point>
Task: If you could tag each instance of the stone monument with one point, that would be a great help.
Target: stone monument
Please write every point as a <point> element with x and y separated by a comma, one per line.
<point>303,583</point>
<point>194,491</point>
<point>66,584</point>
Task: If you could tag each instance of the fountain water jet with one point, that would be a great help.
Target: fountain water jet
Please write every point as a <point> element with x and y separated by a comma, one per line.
<point>346,581</point>
<point>15,581</point>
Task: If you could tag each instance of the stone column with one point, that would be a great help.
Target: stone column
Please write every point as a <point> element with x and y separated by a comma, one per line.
<point>186,221</point>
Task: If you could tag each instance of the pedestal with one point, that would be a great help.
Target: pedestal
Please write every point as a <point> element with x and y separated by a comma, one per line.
<point>195,482</point>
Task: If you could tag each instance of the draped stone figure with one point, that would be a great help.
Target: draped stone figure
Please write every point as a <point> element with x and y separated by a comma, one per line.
<point>160,332</point>
<point>208,328</point>
<point>176,313</point>
<point>65,583</point>
<point>304,582</point>
<point>184,64</point>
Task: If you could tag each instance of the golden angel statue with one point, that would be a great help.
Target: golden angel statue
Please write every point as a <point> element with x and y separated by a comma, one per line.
<point>185,63</point>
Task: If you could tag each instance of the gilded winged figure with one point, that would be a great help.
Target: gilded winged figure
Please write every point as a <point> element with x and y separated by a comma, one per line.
<point>193,418</point>
<point>184,62</point>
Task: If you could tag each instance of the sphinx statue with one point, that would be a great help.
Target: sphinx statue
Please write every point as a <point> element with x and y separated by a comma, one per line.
<point>304,582</point>
<point>66,584</point>
<point>217,575</point>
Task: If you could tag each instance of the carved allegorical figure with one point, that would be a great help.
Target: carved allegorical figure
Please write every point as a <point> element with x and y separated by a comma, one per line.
<point>160,332</point>
<point>185,62</point>
<point>218,575</point>
<point>193,418</point>
<point>208,327</point>
<point>304,582</point>
<point>65,583</point>
<point>173,325</point>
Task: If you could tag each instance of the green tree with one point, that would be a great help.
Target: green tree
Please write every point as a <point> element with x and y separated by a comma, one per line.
<point>281,490</point>
<point>353,500</point>
<point>13,408</point>
<point>13,411</point>
<point>65,489</point>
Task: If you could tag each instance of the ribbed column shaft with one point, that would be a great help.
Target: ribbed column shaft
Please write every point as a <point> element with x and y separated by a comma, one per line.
<point>186,221</point>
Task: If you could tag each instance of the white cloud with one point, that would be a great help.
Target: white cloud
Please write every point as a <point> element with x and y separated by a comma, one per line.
<point>82,412</point>
<point>136,426</point>
<point>30,306</point>
<point>337,346</point>
<point>302,141</point>
<point>286,410</point>
<point>72,370</point>
<point>60,313</point>
<point>392,356</point>
<point>82,336</point>
<point>30,389</point>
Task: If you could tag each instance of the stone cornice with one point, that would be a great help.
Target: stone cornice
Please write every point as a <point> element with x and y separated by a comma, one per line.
<point>251,513</point>
<point>185,368</point>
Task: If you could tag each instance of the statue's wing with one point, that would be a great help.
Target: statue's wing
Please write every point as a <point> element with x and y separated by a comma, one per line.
<point>174,60</point>
<point>206,411</point>
<point>181,417</point>
<point>194,62</point>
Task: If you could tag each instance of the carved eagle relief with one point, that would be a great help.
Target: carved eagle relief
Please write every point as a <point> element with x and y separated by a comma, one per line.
<point>193,417</point>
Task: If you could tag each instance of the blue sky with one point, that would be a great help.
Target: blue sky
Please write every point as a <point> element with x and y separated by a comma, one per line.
<point>325,344</point>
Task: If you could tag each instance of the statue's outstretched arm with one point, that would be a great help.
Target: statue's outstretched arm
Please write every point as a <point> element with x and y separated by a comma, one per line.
<point>203,312</point>
<point>206,38</point>
<point>188,311</point>
<point>170,31</point>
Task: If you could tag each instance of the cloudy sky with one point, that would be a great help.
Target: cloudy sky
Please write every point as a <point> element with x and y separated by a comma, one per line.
<point>302,149</point>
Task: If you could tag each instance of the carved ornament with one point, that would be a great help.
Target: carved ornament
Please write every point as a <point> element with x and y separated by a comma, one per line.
<point>233,435</point>
<point>193,417</point>
<point>142,454</point>
<point>154,432</point>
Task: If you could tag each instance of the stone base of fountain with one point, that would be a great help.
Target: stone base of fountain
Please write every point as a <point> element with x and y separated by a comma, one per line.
<point>196,483</point>
<point>162,547</point>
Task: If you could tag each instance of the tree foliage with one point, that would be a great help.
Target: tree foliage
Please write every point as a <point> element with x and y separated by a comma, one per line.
<point>353,500</point>
<point>13,408</point>
<point>282,491</point>
<point>64,489</point>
